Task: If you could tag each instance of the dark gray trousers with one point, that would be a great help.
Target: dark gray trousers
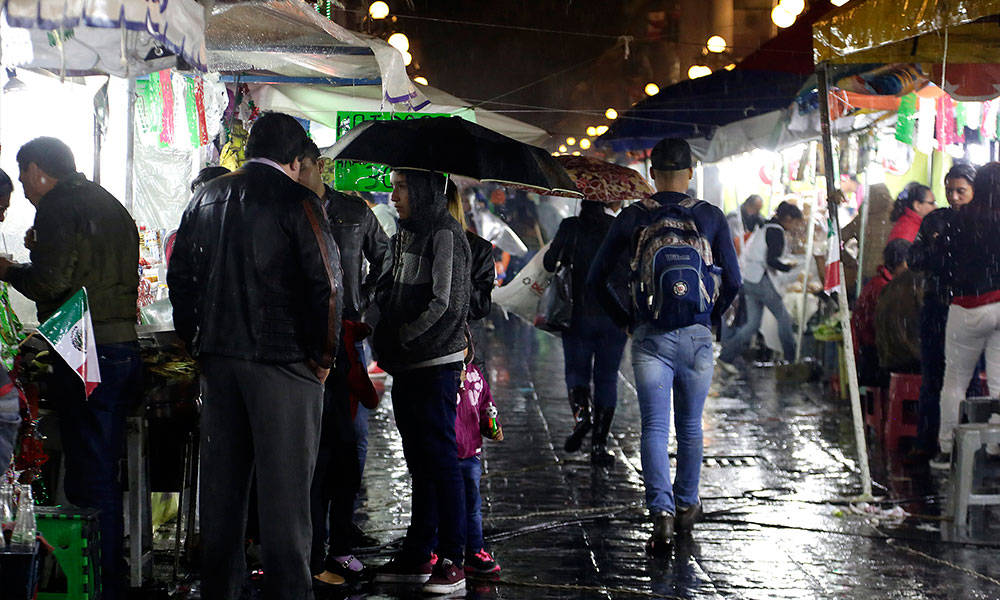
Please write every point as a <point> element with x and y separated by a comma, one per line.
<point>264,417</point>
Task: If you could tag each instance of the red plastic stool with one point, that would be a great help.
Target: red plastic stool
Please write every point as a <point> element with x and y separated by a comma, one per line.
<point>874,403</point>
<point>901,409</point>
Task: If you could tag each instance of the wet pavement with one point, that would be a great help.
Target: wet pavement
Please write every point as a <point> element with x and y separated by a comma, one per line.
<point>777,477</point>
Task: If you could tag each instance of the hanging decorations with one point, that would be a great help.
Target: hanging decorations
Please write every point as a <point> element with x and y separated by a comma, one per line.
<point>167,115</point>
<point>179,111</point>
<point>199,101</point>
<point>906,121</point>
<point>945,122</point>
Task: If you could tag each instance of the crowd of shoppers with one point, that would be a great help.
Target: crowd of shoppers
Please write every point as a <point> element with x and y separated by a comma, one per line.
<point>276,280</point>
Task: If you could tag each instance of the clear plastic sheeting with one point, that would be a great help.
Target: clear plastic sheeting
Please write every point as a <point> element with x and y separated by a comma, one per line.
<point>162,186</point>
<point>320,103</point>
<point>773,131</point>
<point>126,38</point>
<point>883,31</point>
<point>289,38</point>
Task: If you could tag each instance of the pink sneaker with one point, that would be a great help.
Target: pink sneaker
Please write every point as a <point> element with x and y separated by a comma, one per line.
<point>481,563</point>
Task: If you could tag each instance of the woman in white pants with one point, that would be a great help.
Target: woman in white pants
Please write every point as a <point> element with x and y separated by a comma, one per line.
<point>973,243</point>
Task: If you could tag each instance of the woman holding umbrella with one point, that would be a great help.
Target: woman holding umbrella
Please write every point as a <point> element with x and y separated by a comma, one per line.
<point>594,344</point>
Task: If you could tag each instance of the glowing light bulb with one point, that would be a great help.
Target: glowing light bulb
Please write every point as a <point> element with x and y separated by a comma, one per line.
<point>793,6</point>
<point>602,129</point>
<point>577,153</point>
<point>584,144</point>
<point>563,148</point>
<point>782,17</point>
<point>717,43</point>
<point>407,58</point>
<point>652,89</point>
<point>570,141</point>
<point>697,71</point>
<point>421,80</point>
<point>555,154</point>
<point>611,114</point>
<point>591,131</point>
<point>378,10</point>
<point>730,66</point>
<point>838,2</point>
<point>399,41</point>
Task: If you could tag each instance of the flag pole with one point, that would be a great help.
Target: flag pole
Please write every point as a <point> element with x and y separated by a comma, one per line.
<point>28,337</point>
<point>845,314</point>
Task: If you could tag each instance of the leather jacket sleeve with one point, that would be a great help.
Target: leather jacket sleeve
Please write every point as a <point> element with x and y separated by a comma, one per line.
<point>483,277</point>
<point>374,246</point>
<point>320,260</point>
<point>49,274</point>
<point>182,284</point>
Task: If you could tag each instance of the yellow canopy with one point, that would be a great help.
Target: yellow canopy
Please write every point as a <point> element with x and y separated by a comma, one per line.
<point>909,31</point>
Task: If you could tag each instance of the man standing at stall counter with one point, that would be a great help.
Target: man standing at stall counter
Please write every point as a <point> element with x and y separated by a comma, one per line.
<point>255,281</point>
<point>83,237</point>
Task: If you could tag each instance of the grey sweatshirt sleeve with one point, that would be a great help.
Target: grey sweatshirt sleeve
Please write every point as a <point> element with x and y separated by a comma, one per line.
<point>442,272</point>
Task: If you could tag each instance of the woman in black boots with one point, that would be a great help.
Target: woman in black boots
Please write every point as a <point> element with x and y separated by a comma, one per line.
<point>594,345</point>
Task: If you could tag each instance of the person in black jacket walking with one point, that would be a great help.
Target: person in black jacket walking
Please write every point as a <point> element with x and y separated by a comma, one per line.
<point>423,295</point>
<point>593,345</point>
<point>484,276</point>
<point>255,282</point>
<point>343,441</point>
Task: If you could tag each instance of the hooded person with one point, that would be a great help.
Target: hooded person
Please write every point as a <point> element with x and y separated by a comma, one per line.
<point>423,296</point>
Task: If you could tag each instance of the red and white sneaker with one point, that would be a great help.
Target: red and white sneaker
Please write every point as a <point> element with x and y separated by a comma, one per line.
<point>481,563</point>
<point>446,578</point>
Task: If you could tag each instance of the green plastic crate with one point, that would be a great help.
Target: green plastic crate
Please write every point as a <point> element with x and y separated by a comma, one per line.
<point>75,537</point>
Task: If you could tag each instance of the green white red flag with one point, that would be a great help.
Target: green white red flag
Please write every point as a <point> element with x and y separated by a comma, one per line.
<point>70,331</point>
<point>831,282</point>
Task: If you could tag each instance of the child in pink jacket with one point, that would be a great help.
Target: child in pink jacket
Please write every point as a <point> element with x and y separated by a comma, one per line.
<point>475,419</point>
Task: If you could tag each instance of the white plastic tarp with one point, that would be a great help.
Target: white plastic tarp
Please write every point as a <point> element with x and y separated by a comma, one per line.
<point>774,131</point>
<point>320,103</point>
<point>125,38</point>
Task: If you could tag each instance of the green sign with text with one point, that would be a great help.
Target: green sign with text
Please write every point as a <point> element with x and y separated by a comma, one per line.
<point>366,177</point>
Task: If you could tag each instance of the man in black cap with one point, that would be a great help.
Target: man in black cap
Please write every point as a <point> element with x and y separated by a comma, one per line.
<point>671,342</point>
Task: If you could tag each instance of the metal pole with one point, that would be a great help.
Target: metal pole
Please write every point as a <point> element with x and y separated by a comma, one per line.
<point>130,148</point>
<point>845,314</point>
<point>809,262</point>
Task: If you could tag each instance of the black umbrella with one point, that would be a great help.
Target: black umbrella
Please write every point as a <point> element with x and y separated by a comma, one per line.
<point>455,146</point>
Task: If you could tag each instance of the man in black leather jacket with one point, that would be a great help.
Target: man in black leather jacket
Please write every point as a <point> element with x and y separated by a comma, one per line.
<point>255,282</point>
<point>343,446</point>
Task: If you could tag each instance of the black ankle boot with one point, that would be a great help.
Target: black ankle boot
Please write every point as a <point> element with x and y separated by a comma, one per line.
<point>603,417</point>
<point>579,402</point>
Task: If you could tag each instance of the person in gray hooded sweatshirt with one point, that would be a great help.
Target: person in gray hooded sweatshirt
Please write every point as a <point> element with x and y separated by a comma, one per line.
<point>423,295</point>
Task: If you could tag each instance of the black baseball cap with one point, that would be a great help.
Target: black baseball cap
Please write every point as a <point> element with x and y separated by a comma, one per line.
<point>671,154</point>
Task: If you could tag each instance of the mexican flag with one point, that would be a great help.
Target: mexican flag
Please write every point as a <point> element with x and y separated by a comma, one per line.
<point>832,280</point>
<point>71,333</point>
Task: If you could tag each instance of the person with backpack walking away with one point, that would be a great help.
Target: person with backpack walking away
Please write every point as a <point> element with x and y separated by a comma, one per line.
<point>762,264</point>
<point>594,344</point>
<point>684,275</point>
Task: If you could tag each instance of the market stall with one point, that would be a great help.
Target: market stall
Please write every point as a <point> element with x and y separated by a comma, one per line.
<point>887,32</point>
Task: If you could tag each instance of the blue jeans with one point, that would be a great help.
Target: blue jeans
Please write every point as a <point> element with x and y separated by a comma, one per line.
<point>671,363</point>
<point>423,401</point>
<point>93,437</point>
<point>472,470</point>
<point>361,417</point>
<point>10,420</point>
<point>758,296</point>
<point>593,347</point>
